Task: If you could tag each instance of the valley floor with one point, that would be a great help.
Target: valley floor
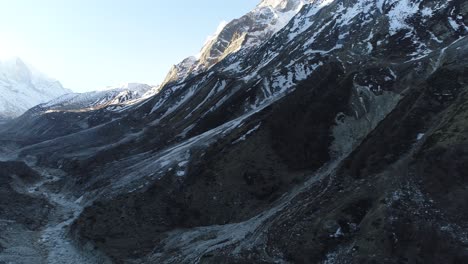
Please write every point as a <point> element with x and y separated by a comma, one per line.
<point>50,243</point>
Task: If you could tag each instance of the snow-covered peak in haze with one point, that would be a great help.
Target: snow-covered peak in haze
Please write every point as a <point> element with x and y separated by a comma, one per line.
<point>16,69</point>
<point>22,87</point>
<point>115,96</point>
<point>127,86</point>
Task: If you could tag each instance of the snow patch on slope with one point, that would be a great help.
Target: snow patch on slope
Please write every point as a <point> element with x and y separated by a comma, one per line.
<point>401,11</point>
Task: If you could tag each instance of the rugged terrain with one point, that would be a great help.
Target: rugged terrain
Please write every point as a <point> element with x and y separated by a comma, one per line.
<point>74,112</point>
<point>340,138</point>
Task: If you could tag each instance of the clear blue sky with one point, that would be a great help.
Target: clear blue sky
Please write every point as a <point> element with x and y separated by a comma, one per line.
<point>90,44</point>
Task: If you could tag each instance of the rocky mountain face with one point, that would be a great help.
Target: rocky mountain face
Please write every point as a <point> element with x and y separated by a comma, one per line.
<point>341,138</point>
<point>22,87</point>
<point>238,36</point>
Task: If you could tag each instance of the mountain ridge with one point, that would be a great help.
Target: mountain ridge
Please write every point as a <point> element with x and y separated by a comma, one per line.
<point>243,33</point>
<point>339,139</point>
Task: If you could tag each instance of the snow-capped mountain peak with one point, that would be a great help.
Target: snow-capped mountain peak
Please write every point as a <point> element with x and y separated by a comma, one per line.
<point>22,87</point>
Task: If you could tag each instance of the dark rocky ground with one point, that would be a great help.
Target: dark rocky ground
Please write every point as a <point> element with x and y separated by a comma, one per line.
<point>20,213</point>
<point>364,160</point>
<point>16,206</point>
<point>397,198</point>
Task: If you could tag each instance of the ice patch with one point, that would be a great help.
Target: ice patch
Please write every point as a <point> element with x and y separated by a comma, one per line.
<point>244,137</point>
<point>338,233</point>
<point>399,14</point>
<point>453,24</point>
<point>427,12</point>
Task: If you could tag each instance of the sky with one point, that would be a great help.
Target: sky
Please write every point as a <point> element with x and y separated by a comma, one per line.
<point>92,44</point>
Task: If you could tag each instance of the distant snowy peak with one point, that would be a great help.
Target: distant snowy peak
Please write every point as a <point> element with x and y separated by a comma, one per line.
<point>16,70</point>
<point>22,87</point>
<point>112,97</point>
<point>137,87</point>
